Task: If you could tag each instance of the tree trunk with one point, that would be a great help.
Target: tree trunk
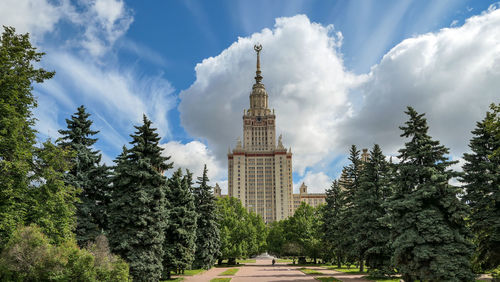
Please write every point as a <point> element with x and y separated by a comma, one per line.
<point>219,261</point>
<point>361,265</point>
<point>314,260</point>
<point>339,263</point>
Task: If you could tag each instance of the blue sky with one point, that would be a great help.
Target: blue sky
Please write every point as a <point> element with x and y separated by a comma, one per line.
<point>338,72</point>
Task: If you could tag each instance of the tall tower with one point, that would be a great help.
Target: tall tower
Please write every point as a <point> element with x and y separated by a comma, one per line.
<point>259,170</point>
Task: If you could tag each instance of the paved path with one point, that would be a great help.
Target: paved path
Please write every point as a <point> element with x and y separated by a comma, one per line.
<point>262,270</point>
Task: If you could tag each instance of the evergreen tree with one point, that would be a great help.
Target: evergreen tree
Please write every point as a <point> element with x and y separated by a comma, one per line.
<point>207,232</point>
<point>482,181</point>
<point>137,211</point>
<point>179,245</point>
<point>17,136</point>
<point>88,175</point>
<point>349,183</point>
<point>331,213</point>
<point>429,236</point>
<point>373,235</point>
<point>51,200</point>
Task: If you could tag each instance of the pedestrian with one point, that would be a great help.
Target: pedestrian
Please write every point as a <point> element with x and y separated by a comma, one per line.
<point>274,261</point>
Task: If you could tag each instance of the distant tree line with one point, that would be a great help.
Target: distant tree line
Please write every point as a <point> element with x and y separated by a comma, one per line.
<point>407,217</point>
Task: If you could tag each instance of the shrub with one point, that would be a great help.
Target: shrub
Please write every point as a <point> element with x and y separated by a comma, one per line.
<point>28,256</point>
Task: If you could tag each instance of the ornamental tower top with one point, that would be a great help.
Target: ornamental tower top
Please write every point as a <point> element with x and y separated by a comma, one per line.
<point>258,96</point>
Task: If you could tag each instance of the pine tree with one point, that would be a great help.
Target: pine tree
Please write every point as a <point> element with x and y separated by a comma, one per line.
<point>482,181</point>
<point>207,232</point>
<point>17,136</point>
<point>137,211</point>
<point>349,184</point>
<point>372,235</point>
<point>88,175</point>
<point>331,213</point>
<point>430,239</point>
<point>180,241</point>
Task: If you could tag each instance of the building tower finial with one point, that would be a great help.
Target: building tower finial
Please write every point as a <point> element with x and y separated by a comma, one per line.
<point>258,77</point>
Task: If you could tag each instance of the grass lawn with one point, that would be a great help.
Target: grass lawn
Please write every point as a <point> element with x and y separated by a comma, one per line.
<point>220,280</point>
<point>326,279</point>
<point>382,279</point>
<point>231,271</point>
<point>174,279</point>
<point>284,260</point>
<point>352,270</point>
<point>245,260</point>
<point>309,271</point>
<point>191,272</point>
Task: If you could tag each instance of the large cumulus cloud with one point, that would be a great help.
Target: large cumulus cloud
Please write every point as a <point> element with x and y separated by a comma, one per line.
<point>304,76</point>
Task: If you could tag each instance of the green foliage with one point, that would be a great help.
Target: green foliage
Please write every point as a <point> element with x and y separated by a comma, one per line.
<point>482,181</point>
<point>331,218</point>
<point>137,212</point>
<point>88,175</point>
<point>207,232</point>
<point>304,230</point>
<point>372,236</point>
<point>29,256</point>
<point>51,200</point>
<point>429,236</point>
<point>238,230</point>
<point>275,238</point>
<point>179,245</point>
<point>17,136</point>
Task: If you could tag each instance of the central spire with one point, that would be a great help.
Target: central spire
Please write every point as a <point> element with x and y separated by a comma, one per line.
<point>258,77</point>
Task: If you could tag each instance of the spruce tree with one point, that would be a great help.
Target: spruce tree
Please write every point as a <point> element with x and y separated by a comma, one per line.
<point>137,211</point>
<point>482,181</point>
<point>372,235</point>
<point>430,239</point>
<point>349,183</point>
<point>88,175</point>
<point>180,241</point>
<point>207,232</point>
<point>18,60</point>
<point>331,214</point>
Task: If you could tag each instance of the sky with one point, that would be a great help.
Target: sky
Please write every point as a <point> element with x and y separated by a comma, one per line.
<point>337,73</point>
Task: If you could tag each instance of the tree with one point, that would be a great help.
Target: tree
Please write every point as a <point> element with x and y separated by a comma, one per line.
<point>137,211</point>
<point>207,231</point>
<point>349,184</point>
<point>17,136</point>
<point>482,181</point>
<point>179,245</point>
<point>331,213</point>
<point>373,235</point>
<point>303,229</point>
<point>275,240</point>
<point>430,239</point>
<point>88,175</point>
<point>237,230</point>
<point>51,200</point>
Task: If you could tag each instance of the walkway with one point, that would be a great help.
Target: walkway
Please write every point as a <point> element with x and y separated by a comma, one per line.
<point>262,270</point>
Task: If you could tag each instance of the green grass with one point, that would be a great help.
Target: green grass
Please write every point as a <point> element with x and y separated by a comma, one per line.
<point>326,279</point>
<point>174,279</point>
<point>382,279</point>
<point>284,260</point>
<point>246,260</point>
<point>352,270</point>
<point>309,271</point>
<point>220,280</point>
<point>231,271</point>
<point>191,272</point>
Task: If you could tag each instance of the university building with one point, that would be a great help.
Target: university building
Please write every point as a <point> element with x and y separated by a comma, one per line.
<point>260,167</point>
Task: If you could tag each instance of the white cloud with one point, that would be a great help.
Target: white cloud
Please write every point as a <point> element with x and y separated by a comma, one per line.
<point>34,16</point>
<point>451,75</point>
<point>305,79</point>
<point>193,156</point>
<point>315,182</point>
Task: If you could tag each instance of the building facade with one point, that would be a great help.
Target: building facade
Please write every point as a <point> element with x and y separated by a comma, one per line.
<point>260,167</point>
<point>312,199</point>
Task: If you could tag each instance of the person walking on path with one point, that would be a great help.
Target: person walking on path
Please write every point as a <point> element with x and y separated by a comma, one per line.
<point>274,261</point>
